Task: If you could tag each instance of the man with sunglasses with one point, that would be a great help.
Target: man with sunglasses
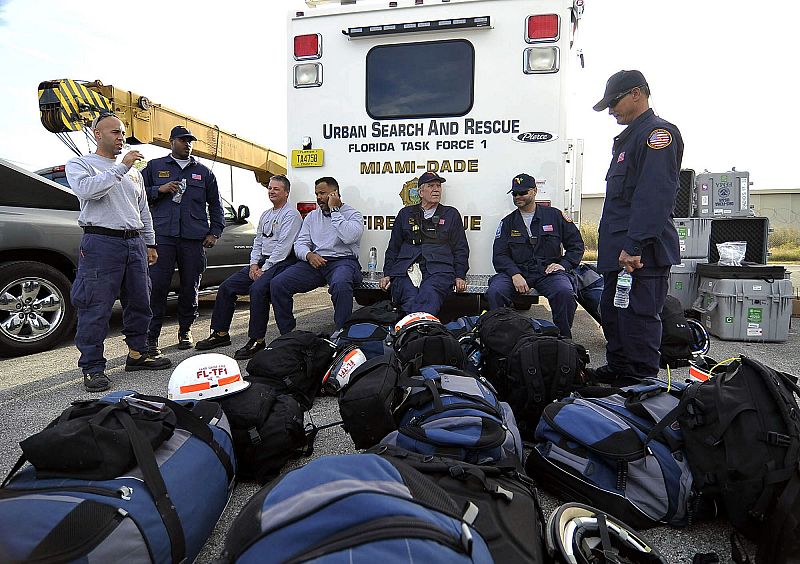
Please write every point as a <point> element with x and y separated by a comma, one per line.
<point>527,253</point>
<point>428,253</point>
<point>636,232</point>
<point>180,190</point>
<point>272,254</point>
<point>117,246</point>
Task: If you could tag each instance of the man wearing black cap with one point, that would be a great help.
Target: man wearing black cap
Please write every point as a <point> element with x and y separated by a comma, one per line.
<point>636,229</point>
<point>527,253</point>
<point>428,253</point>
<point>180,190</point>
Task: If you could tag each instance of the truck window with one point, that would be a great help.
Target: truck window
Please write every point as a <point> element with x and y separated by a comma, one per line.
<point>417,80</point>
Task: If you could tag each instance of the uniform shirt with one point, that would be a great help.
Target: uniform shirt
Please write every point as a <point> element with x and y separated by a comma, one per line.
<point>641,185</point>
<point>440,241</point>
<point>335,235</point>
<point>110,195</point>
<point>189,218</point>
<point>516,252</point>
<point>277,231</point>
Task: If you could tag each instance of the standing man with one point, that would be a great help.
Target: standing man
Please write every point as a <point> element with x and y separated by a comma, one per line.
<point>179,190</point>
<point>636,229</point>
<point>428,252</point>
<point>527,254</point>
<point>117,246</point>
<point>327,247</point>
<point>272,253</point>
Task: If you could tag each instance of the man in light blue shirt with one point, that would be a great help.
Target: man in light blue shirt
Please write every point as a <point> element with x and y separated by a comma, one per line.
<point>327,249</point>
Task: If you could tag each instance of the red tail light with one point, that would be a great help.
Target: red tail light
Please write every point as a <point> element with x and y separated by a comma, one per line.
<point>543,27</point>
<point>306,208</point>
<point>307,46</point>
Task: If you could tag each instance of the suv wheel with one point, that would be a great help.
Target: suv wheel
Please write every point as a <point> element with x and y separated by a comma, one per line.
<point>35,310</point>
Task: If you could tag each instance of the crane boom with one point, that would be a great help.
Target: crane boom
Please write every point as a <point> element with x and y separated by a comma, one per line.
<point>70,105</point>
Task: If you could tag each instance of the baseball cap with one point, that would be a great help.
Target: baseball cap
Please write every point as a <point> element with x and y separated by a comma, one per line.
<point>429,177</point>
<point>522,183</point>
<point>619,83</point>
<point>180,131</point>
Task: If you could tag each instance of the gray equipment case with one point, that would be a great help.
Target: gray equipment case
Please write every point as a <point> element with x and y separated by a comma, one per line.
<point>723,194</point>
<point>694,234</point>
<point>683,281</point>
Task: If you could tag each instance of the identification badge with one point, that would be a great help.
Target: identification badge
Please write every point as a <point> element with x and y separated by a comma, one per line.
<point>163,174</point>
<point>515,233</point>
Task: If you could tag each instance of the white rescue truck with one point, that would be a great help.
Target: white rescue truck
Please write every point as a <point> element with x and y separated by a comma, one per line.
<point>475,90</point>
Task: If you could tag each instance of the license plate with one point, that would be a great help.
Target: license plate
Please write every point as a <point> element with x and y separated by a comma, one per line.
<point>307,157</point>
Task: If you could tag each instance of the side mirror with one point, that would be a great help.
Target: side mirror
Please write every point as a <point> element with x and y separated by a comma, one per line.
<point>243,213</point>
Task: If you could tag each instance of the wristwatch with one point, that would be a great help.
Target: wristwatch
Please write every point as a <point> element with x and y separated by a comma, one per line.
<point>336,209</point>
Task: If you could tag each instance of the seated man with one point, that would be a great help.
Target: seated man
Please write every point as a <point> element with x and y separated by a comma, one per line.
<point>527,254</point>
<point>428,251</point>
<point>272,253</point>
<point>327,247</point>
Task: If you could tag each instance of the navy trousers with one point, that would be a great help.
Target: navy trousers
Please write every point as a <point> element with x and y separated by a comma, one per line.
<point>429,297</point>
<point>558,288</point>
<point>190,257</point>
<point>633,334</point>
<point>340,274</point>
<point>240,284</point>
<point>108,268</point>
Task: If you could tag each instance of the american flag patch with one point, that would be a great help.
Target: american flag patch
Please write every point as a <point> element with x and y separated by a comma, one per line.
<point>547,227</point>
<point>441,222</point>
<point>659,138</point>
<point>621,157</point>
<point>197,177</point>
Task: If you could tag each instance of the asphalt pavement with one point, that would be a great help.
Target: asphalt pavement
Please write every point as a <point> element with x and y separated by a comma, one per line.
<point>35,389</point>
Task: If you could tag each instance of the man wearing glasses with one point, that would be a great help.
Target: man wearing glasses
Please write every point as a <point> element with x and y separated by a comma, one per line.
<point>180,189</point>
<point>428,253</point>
<point>527,253</point>
<point>636,229</point>
<point>271,255</point>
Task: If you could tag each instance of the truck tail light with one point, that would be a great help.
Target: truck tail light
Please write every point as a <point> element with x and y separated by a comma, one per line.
<point>307,75</point>
<point>307,46</point>
<point>540,60</point>
<point>306,208</point>
<point>542,27</point>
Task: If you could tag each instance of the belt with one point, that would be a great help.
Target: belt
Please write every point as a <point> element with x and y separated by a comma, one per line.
<point>123,233</point>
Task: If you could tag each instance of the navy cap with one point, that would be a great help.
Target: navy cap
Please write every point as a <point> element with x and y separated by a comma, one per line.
<point>522,183</point>
<point>429,177</point>
<point>620,83</point>
<point>180,131</point>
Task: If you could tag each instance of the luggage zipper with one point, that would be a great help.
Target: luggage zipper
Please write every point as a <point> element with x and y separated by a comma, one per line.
<point>123,492</point>
<point>388,528</point>
<point>635,455</point>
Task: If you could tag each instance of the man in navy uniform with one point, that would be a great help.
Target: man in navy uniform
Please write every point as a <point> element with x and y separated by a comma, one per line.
<point>527,253</point>
<point>428,253</point>
<point>180,190</point>
<point>327,248</point>
<point>117,245</point>
<point>636,229</point>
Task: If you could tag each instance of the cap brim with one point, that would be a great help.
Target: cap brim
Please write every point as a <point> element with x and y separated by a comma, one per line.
<point>192,137</point>
<point>515,191</point>
<point>603,104</point>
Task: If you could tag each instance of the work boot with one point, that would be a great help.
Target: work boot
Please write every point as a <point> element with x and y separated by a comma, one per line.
<point>145,361</point>
<point>152,346</point>
<point>250,349</point>
<point>612,376</point>
<point>216,339</point>
<point>185,340</point>
<point>96,382</point>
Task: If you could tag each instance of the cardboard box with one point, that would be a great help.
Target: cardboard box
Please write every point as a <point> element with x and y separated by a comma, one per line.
<point>796,306</point>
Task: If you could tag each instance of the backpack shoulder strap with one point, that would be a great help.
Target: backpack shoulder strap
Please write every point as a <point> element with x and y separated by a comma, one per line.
<point>532,369</point>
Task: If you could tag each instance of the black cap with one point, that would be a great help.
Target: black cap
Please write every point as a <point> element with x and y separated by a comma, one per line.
<point>522,183</point>
<point>620,83</point>
<point>180,131</point>
<point>429,177</point>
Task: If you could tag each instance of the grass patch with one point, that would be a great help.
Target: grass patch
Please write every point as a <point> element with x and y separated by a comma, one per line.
<point>589,234</point>
<point>784,237</point>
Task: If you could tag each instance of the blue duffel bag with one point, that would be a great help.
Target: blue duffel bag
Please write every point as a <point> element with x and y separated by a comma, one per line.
<point>162,509</point>
<point>354,508</point>
<point>368,336</point>
<point>449,412</point>
<point>596,450</point>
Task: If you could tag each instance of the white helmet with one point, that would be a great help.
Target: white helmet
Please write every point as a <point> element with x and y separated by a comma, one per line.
<point>205,376</point>
<point>338,375</point>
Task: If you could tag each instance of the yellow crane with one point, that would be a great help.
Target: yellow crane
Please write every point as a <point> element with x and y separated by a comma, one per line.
<point>70,105</point>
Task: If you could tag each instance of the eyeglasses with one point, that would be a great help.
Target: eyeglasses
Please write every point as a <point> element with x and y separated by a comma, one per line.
<point>616,100</point>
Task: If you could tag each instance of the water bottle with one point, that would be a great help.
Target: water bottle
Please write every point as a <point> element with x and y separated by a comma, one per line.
<point>372,265</point>
<point>624,282</point>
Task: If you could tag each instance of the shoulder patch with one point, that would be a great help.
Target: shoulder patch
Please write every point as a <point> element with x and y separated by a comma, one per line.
<point>499,229</point>
<point>567,218</point>
<point>659,139</point>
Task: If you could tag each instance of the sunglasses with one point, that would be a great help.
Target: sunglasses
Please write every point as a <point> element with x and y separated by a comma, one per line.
<point>616,100</point>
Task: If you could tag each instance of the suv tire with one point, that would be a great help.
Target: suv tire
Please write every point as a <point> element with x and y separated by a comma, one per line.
<point>35,309</point>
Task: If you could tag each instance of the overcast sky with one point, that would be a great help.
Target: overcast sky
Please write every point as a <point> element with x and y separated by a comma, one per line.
<point>723,71</point>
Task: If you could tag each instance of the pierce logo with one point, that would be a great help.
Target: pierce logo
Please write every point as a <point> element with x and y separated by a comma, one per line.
<point>534,137</point>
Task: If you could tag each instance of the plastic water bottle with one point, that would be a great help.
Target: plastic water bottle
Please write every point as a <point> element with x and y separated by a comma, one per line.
<point>623,296</point>
<point>372,265</point>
